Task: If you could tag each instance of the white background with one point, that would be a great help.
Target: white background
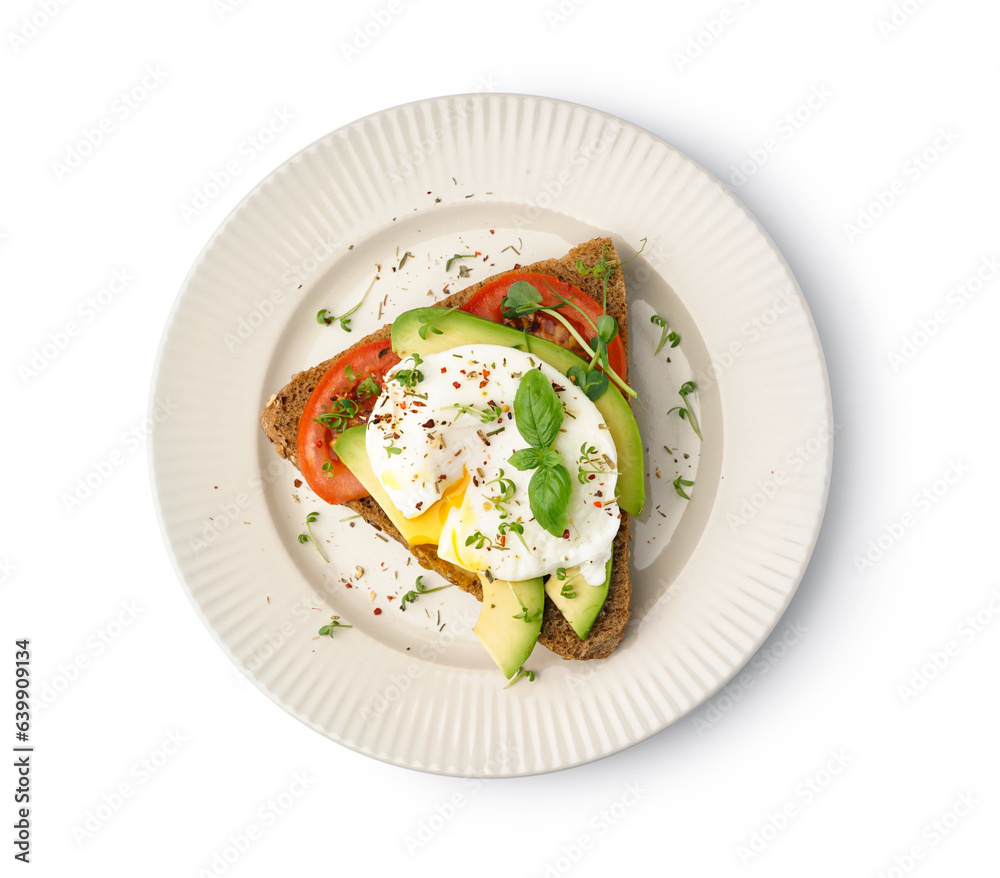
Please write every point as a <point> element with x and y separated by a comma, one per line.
<point>863,739</point>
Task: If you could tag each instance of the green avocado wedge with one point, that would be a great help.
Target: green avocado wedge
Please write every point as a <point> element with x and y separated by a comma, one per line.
<point>582,608</point>
<point>510,620</point>
<point>432,330</point>
<point>350,448</point>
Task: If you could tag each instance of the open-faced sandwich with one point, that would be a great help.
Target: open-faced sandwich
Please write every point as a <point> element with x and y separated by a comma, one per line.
<point>492,435</point>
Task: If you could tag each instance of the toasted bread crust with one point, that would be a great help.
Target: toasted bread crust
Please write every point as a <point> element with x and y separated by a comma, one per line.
<point>280,423</point>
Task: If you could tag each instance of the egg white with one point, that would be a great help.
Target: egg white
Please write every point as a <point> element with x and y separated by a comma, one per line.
<point>420,442</point>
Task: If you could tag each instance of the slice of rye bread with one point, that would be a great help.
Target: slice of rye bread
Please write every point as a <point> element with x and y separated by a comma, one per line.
<point>280,422</point>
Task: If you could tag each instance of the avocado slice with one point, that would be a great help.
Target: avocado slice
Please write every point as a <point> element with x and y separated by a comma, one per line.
<point>507,638</point>
<point>351,449</point>
<point>431,330</point>
<point>580,610</point>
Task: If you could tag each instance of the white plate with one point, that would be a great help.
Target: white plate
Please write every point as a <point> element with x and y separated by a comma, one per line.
<point>456,175</point>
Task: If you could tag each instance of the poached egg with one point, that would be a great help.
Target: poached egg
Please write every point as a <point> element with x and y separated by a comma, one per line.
<point>443,431</point>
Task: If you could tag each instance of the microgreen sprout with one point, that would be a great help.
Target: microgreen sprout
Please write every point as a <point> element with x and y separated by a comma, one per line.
<point>685,411</point>
<point>487,417</point>
<point>527,616</point>
<point>369,387</point>
<point>518,530</point>
<point>310,537</point>
<point>340,413</point>
<point>410,377</point>
<point>427,322</point>
<point>505,493</point>
<point>687,483</point>
<point>392,448</point>
<point>418,589</point>
<point>603,269</point>
<point>666,335</point>
<point>447,265</point>
<point>480,539</point>
<point>327,630</point>
<point>588,458</point>
<point>325,318</point>
<point>520,674</point>
<point>523,300</point>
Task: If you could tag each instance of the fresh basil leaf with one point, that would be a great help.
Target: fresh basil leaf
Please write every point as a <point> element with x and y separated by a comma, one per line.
<point>522,300</point>
<point>526,458</point>
<point>548,493</point>
<point>550,458</point>
<point>538,414</point>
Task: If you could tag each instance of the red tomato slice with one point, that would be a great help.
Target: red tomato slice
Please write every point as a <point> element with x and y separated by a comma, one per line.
<point>336,483</point>
<point>486,303</point>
